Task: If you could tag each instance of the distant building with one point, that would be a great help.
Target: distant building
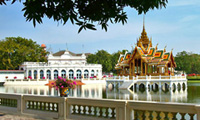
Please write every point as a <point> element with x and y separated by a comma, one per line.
<point>11,74</point>
<point>63,63</point>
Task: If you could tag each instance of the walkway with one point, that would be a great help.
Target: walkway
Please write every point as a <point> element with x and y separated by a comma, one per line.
<point>4,116</point>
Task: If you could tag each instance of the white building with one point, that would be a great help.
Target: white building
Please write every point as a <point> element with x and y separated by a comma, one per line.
<point>63,63</point>
<point>10,74</point>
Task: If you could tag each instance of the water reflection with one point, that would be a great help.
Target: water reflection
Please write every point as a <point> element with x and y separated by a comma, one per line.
<point>100,91</point>
<point>84,91</point>
<point>148,95</point>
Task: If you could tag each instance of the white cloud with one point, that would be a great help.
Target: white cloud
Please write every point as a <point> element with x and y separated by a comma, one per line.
<point>189,18</point>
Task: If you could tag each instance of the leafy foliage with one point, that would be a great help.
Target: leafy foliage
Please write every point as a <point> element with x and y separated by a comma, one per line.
<point>16,50</point>
<point>101,57</point>
<point>188,62</point>
<point>107,60</point>
<point>85,12</point>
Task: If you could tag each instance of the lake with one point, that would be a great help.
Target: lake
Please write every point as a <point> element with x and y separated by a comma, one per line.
<point>99,91</point>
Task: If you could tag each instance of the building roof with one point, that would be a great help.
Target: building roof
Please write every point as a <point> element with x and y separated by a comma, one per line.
<point>43,46</point>
<point>59,53</point>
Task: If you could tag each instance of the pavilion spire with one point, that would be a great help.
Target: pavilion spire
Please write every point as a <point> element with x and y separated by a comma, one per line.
<point>143,21</point>
<point>144,31</point>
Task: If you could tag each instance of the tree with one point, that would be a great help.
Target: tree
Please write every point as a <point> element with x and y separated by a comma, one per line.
<point>188,62</point>
<point>85,12</point>
<point>101,57</point>
<point>16,50</point>
<point>115,57</point>
<point>181,61</point>
<point>107,60</point>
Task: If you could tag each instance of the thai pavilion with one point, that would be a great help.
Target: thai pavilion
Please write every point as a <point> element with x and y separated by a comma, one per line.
<point>145,59</point>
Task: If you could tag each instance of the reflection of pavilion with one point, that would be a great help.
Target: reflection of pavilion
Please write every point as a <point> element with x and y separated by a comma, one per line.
<point>84,91</point>
<point>88,91</point>
<point>147,95</point>
<point>33,90</point>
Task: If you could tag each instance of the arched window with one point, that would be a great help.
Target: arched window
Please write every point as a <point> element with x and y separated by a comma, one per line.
<point>71,74</point>
<point>92,73</point>
<point>63,74</point>
<point>78,74</point>
<point>86,74</point>
<point>35,74</point>
<point>48,74</point>
<point>41,74</point>
<point>29,73</point>
<point>55,74</point>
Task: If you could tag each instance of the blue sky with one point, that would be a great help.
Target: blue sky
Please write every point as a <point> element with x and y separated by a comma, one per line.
<point>177,26</point>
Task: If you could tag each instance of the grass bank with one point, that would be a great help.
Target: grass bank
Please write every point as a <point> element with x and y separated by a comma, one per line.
<point>193,81</point>
<point>193,77</point>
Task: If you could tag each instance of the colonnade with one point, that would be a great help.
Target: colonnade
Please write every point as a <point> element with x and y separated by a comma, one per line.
<point>65,73</point>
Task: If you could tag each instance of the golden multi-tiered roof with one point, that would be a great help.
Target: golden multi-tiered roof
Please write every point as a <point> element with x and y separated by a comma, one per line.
<point>145,59</point>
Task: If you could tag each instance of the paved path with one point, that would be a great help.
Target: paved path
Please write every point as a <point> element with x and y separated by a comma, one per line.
<point>4,116</point>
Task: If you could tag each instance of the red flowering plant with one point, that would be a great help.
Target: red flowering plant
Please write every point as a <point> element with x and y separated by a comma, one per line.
<point>62,82</point>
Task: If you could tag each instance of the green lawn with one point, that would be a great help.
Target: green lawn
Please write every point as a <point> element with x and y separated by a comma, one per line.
<point>193,77</point>
<point>193,81</point>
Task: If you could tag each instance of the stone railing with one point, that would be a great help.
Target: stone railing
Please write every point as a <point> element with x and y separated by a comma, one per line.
<point>84,108</point>
<point>26,81</point>
<point>161,111</point>
<point>160,77</point>
<point>92,80</point>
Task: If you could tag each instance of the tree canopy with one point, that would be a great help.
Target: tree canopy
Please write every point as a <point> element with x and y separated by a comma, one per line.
<point>107,60</point>
<point>16,50</point>
<point>188,62</point>
<point>85,13</point>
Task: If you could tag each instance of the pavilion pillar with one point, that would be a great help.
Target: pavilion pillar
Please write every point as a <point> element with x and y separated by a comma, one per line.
<point>32,74</point>
<point>38,74</point>
<point>145,68</point>
<point>137,66</point>
<point>166,72</point>
<point>45,74</point>
<point>171,69</point>
<point>130,68</point>
<point>141,67</point>
<point>123,71</point>
<point>26,74</point>
<point>133,72</point>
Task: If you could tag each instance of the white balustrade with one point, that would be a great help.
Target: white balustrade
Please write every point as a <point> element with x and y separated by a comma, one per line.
<point>156,110</point>
<point>26,81</point>
<point>160,77</point>
<point>69,108</point>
